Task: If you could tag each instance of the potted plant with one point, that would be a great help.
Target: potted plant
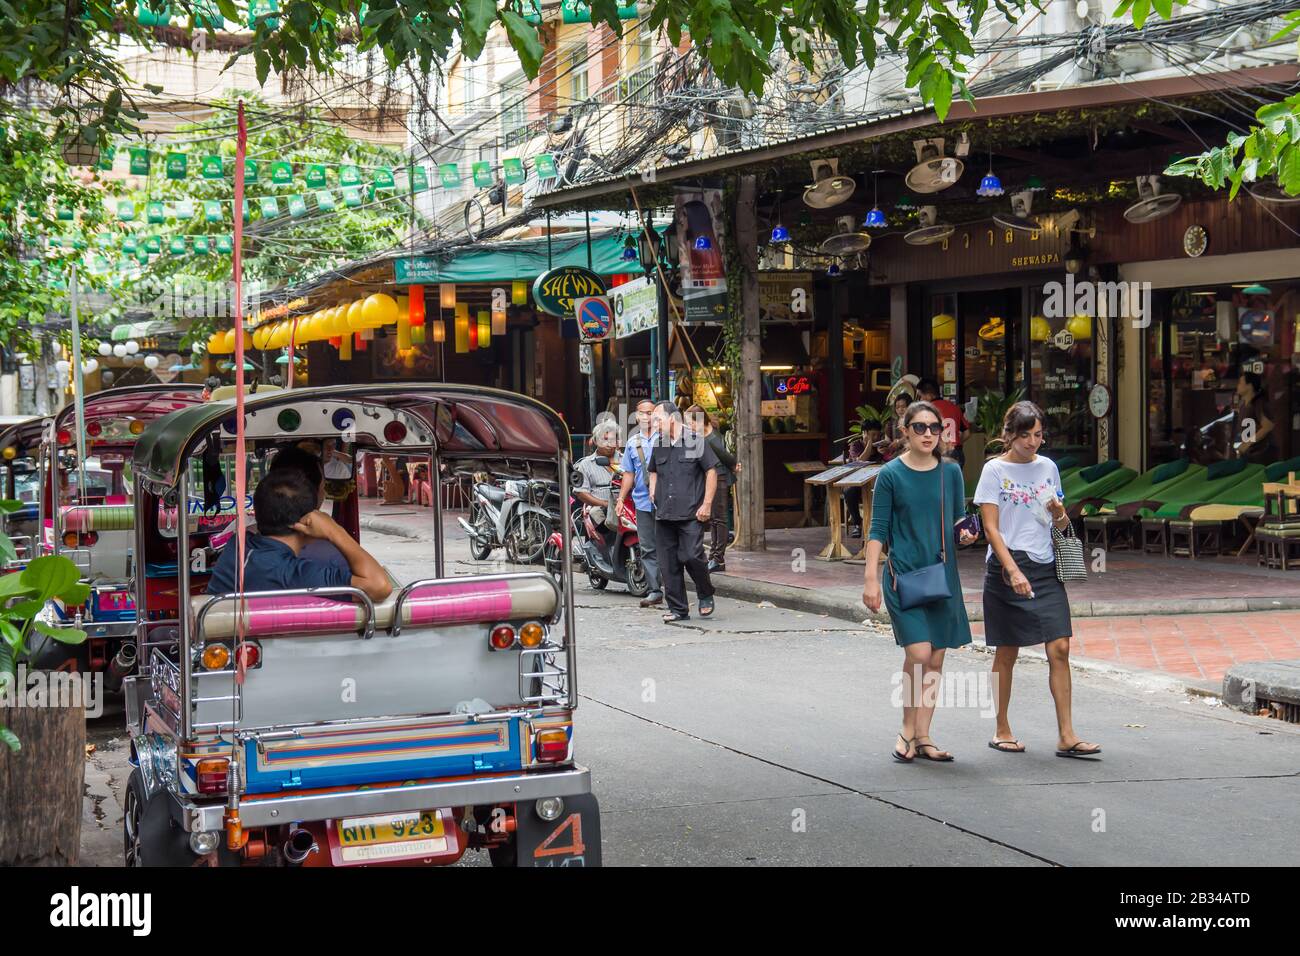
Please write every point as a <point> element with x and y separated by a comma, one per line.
<point>985,439</point>
<point>42,715</point>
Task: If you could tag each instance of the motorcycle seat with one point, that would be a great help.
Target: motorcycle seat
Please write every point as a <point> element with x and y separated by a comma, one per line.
<point>491,492</point>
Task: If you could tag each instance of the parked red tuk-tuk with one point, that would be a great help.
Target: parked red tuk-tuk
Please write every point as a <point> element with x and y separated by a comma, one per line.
<point>88,515</point>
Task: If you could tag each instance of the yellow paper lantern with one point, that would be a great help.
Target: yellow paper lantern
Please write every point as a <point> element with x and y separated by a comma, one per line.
<point>280,337</point>
<point>403,333</point>
<point>437,330</point>
<point>345,348</point>
<point>217,343</point>
<point>447,295</point>
<point>1080,327</point>
<point>498,322</point>
<point>403,306</point>
<point>229,347</point>
<point>339,321</point>
<point>462,327</point>
<point>379,309</point>
<point>418,335</point>
<point>484,329</point>
<point>1040,330</point>
<point>260,335</point>
<point>943,326</point>
<point>519,292</point>
<point>356,320</point>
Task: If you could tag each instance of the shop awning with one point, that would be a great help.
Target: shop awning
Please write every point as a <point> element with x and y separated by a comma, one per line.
<point>527,258</point>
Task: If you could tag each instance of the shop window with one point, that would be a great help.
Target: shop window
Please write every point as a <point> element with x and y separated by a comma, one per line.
<point>1061,373</point>
<point>1201,345</point>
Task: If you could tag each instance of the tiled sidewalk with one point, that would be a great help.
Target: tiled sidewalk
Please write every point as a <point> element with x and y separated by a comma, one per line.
<point>1201,639</point>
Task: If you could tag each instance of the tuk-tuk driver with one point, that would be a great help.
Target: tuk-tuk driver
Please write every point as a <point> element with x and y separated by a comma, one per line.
<point>285,505</point>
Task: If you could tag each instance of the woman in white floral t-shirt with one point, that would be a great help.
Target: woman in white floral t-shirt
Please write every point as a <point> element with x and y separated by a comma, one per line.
<point>1025,604</point>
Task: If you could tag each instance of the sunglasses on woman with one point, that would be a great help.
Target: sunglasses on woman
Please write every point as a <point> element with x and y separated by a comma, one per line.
<point>920,428</point>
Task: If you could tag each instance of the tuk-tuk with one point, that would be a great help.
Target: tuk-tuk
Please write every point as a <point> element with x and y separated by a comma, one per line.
<point>89,516</point>
<point>318,727</point>
<point>21,471</point>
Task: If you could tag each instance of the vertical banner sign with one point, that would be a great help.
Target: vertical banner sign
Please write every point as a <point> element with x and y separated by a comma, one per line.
<point>316,176</point>
<point>419,179</point>
<point>139,161</point>
<point>545,166</point>
<point>482,174</point>
<point>514,171</point>
<point>177,165</point>
<point>699,237</point>
<point>449,175</point>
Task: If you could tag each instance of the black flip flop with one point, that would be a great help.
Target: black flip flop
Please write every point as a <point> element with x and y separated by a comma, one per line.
<point>1078,754</point>
<point>706,607</point>
<point>999,746</point>
<point>901,758</point>
<point>935,748</point>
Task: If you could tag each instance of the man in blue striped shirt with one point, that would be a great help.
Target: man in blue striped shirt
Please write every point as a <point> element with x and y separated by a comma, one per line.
<point>635,458</point>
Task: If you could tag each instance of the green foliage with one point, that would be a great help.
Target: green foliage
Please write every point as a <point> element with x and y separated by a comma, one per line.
<point>23,596</point>
<point>991,409</point>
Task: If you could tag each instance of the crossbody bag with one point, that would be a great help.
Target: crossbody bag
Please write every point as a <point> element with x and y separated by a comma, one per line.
<point>929,584</point>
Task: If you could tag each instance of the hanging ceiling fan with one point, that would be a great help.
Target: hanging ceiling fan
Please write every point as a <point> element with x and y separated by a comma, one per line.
<point>1152,204</point>
<point>1270,192</point>
<point>828,188</point>
<point>933,171</point>
<point>847,239</point>
<point>930,230</point>
<point>1018,218</point>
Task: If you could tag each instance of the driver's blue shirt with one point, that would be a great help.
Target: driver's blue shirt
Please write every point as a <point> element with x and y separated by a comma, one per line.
<point>633,465</point>
<point>271,565</point>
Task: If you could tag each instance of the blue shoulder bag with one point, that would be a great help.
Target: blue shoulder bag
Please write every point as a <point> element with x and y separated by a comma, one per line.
<point>928,584</point>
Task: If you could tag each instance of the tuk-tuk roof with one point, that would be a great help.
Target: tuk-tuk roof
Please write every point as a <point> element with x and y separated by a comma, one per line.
<point>466,420</point>
<point>140,402</point>
<point>25,434</point>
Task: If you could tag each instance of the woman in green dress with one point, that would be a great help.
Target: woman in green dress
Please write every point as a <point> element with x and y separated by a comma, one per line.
<point>908,518</point>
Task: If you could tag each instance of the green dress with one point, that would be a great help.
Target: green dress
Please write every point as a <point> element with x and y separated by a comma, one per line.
<point>905,516</point>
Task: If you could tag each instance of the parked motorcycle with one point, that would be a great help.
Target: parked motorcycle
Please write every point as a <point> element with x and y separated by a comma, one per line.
<point>605,555</point>
<point>513,515</point>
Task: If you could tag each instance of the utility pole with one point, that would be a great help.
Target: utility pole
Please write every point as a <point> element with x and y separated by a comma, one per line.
<point>750,534</point>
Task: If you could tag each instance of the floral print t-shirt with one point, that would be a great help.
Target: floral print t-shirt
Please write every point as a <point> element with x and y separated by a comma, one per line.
<point>1021,492</point>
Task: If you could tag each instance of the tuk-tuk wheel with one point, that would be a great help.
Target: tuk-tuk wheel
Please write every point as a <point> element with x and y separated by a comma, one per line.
<point>151,837</point>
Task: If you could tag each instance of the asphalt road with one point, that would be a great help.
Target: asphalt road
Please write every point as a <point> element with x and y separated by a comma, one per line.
<point>762,736</point>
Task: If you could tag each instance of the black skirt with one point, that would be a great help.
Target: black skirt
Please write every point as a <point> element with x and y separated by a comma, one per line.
<point>1014,621</point>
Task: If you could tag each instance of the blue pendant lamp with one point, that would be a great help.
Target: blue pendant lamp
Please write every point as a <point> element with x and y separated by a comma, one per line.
<point>875,218</point>
<point>779,232</point>
<point>990,185</point>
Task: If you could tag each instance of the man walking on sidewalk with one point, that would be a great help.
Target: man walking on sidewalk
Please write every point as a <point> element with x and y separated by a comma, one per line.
<point>683,481</point>
<point>636,462</point>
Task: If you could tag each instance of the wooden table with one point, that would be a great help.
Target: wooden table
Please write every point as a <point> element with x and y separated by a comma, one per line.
<point>836,550</point>
<point>805,468</point>
<point>864,478</point>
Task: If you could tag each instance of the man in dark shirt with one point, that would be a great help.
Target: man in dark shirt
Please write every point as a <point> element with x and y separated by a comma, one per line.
<point>297,458</point>
<point>285,506</point>
<point>683,481</point>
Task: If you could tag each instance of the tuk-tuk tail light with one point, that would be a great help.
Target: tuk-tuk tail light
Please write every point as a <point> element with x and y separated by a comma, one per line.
<point>72,539</point>
<point>136,427</point>
<point>250,654</point>
<point>94,429</point>
<point>64,437</point>
<point>532,634</point>
<point>211,775</point>
<point>552,746</point>
<point>502,637</point>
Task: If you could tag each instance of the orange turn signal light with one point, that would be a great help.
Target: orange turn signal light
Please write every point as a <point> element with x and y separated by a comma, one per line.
<point>136,427</point>
<point>532,634</point>
<point>552,746</point>
<point>216,657</point>
<point>211,774</point>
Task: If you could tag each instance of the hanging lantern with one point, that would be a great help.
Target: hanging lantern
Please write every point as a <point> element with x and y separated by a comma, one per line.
<point>345,347</point>
<point>942,327</point>
<point>336,341</point>
<point>260,335</point>
<point>1080,326</point>
<point>417,335</point>
<point>360,342</point>
<point>379,309</point>
<point>415,311</point>
<point>484,329</point>
<point>1040,330</point>
<point>356,319</point>
<point>498,321</point>
<point>447,295</point>
<point>339,321</point>
<point>438,330</point>
<point>403,334</point>
<point>519,292</point>
<point>216,342</point>
<point>462,328</point>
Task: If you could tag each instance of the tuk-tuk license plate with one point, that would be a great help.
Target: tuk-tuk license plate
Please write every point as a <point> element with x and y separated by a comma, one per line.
<point>390,836</point>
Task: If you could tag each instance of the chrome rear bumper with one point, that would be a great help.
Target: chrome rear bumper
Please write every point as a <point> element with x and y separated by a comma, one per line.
<point>254,812</point>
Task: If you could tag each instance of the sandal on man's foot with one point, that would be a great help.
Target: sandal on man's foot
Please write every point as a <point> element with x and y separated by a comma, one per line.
<point>674,618</point>
<point>706,606</point>
<point>1011,746</point>
<point>1089,751</point>
<point>902,757</point>
<point>920,752</point>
